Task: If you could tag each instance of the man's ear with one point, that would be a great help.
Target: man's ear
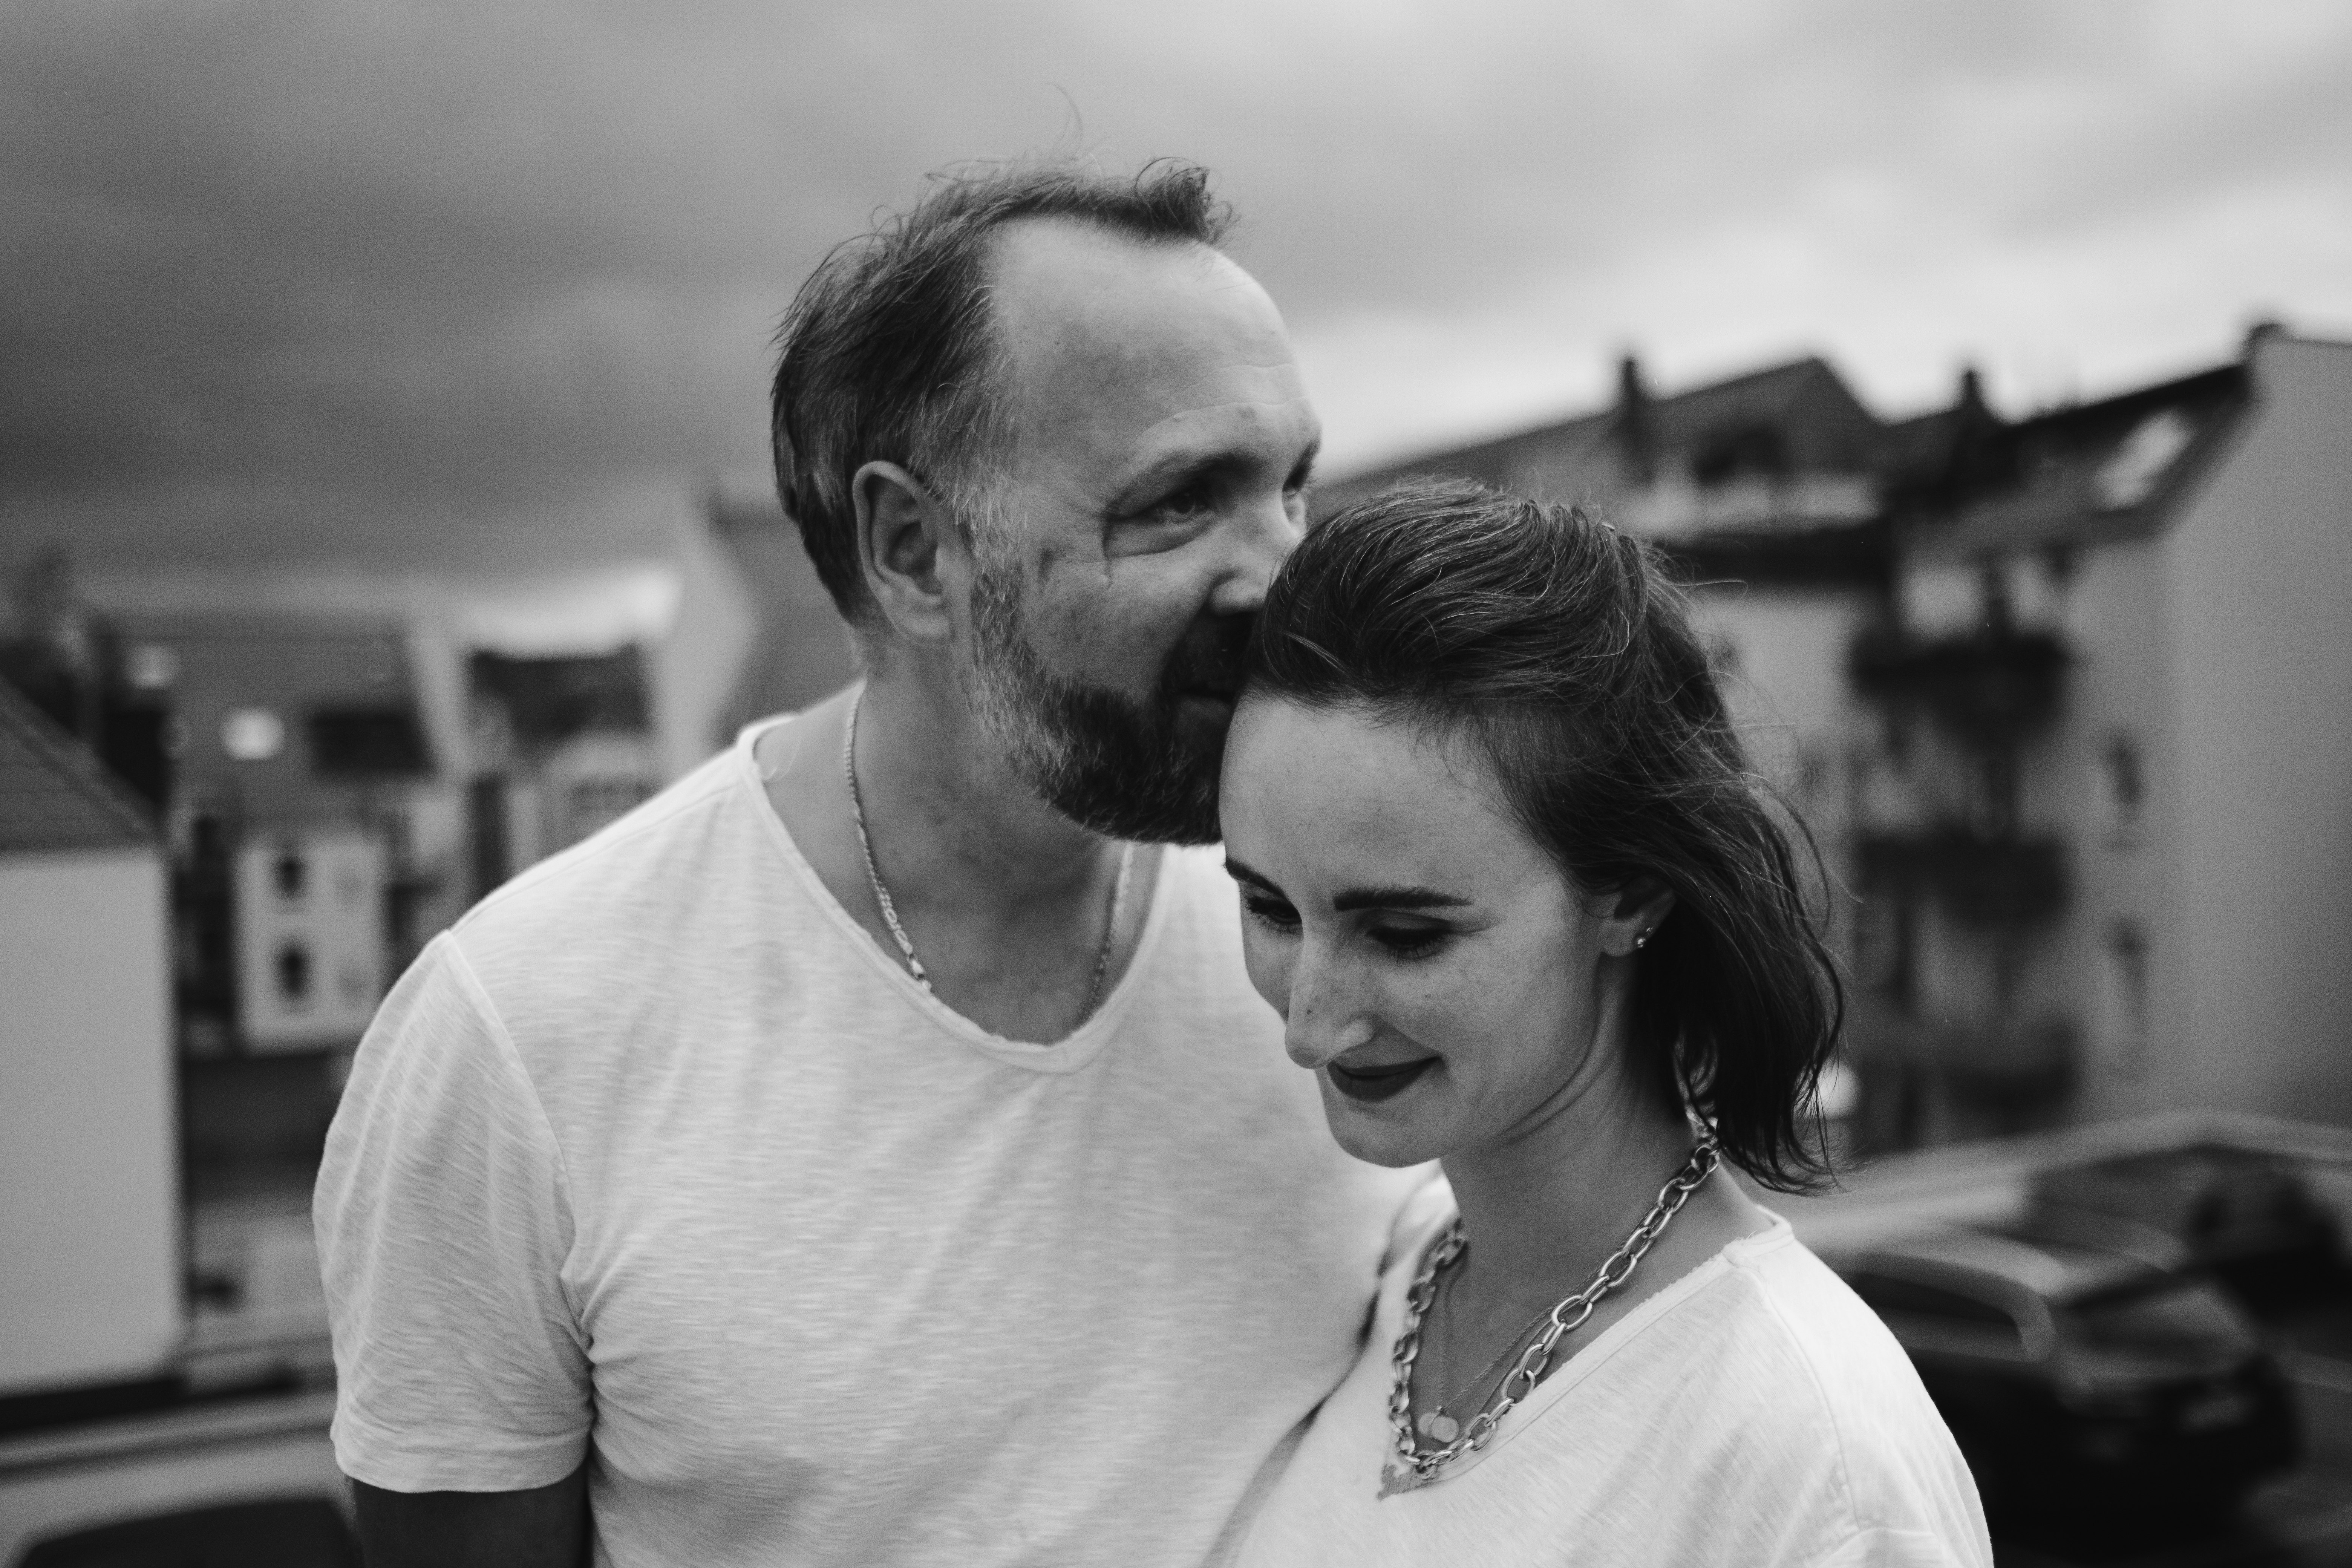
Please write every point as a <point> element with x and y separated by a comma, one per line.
<point>902,531</point>
<point>1635,912</point>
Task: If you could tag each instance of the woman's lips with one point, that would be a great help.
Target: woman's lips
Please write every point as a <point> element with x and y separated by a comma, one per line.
<point>1377,1083</point>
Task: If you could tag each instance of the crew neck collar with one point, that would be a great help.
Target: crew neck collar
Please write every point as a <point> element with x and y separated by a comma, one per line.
<point>1069,1053</point>
<point>1589,1359</point>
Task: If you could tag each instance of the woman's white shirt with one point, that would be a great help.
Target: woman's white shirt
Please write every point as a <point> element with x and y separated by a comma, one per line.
<point>1754,1413</point>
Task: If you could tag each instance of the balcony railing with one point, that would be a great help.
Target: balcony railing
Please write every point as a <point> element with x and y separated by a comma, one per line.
<point>1987,687</point>
<point>1985,882</point>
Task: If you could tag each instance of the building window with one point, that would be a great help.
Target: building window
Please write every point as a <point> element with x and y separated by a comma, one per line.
<point>293,968</point>
<point>1996,611</point>
<point>2124,781</point>
<point>289,874</point>
<point>2122,997</point>
<point>486,832</point>
<point>374,740</point>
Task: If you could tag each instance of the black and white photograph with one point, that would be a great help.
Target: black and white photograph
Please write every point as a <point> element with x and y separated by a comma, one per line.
<point>1050,784</point>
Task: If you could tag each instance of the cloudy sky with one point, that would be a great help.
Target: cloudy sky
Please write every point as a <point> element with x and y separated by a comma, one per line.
<point>474,286</point>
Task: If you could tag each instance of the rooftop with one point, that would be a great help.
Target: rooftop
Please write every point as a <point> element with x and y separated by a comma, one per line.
<point>287,715</point>
<point>53,794</point>
<point>2090,473</point>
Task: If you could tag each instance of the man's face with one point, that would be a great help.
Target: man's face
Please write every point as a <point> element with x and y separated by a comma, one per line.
<point>1155,475</point>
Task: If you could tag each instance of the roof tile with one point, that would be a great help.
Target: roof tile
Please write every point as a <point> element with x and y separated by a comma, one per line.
<point>53,794</point>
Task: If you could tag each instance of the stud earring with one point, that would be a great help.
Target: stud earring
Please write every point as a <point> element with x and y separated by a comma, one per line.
<point>1641,941</point>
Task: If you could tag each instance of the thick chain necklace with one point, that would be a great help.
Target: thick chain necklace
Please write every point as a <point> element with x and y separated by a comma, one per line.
<point>1408,1466</point>
<point>890,910</point>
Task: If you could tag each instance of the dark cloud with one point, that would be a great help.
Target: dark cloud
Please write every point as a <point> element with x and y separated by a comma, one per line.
<point>479,285</point>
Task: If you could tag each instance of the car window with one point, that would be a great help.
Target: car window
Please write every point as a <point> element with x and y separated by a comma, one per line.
<point>1940,1318</point>
<point>2174,1317</point>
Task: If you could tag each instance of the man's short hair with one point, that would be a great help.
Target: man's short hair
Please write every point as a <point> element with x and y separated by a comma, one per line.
<point>888,352</point>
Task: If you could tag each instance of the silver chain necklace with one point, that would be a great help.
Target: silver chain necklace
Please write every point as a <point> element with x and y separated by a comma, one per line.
<point>1408,1466</point>
<point>890,910</point>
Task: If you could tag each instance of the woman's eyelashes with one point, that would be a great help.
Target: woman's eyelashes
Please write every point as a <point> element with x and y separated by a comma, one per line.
<point>1270,912</point>
<point>1408,942</point>
<point>1403,941</point>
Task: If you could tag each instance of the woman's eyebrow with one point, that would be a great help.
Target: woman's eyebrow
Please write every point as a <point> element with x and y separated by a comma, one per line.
<point>1241,873</point>
<point>1397,898</point>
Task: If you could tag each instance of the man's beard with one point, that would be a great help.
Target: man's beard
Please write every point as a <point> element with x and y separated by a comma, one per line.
<point>1138,771</point>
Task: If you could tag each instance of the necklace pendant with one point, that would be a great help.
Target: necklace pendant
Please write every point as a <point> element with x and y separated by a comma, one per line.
<point>1439,1427</point>
<point>1396,1480</point>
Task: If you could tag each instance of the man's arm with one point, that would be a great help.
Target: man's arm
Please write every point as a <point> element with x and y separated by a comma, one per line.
<point>546,1527</point>
<point>443,1220</point>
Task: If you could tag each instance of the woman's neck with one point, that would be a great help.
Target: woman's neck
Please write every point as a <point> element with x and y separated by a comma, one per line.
<point>1544,1210</point>
<point>1562,1195</point>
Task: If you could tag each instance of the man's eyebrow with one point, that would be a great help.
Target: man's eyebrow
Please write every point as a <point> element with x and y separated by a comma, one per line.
<point>1397,898</point>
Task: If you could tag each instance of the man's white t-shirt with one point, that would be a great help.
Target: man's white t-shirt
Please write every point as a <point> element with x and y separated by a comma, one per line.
<point>1755,1414</point>
<point>658,1159</point>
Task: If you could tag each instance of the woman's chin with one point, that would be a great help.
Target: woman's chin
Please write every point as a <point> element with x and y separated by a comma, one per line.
<point>1379,1135</point>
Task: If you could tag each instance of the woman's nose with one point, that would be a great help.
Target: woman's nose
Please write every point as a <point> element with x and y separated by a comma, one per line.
<point>1323,1020</point>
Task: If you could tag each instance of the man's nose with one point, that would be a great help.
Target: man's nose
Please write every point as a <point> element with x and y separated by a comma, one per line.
<point>1262,534</point>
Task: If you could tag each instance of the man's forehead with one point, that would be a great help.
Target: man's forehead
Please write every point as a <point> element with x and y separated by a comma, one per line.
<point>1119,340</point>
<point>1062,273</point>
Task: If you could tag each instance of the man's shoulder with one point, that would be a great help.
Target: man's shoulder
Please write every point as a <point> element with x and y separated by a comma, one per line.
<point>653,855</point>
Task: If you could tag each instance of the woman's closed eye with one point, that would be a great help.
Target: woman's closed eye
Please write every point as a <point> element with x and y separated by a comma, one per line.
<point>1275,914</point>
<point>1408,941</point>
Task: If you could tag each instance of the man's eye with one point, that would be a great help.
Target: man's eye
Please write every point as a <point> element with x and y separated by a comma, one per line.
<point>1187,503</point>
<point>1272,914</point>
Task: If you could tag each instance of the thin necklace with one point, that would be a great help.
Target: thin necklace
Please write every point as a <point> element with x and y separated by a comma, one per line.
<point>890,910</point>
<point>1408,1466</point>
<point>1435,1423</point>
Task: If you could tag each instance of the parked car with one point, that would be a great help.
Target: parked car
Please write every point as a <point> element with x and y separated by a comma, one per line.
<point>2085,1374</point>
<point>2245,1216</point>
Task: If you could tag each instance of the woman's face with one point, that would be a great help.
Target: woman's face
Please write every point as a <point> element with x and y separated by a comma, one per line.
<point>1432,965</point>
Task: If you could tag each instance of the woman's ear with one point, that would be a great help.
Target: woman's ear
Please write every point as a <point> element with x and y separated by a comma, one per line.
<point>1635,912</point>
<point>902,529</point>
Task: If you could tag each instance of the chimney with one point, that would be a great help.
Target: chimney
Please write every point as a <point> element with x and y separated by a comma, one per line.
<point>1971,390</point>
<point>1636,435</point>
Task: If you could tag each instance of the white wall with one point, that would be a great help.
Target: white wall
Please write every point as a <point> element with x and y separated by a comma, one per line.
<point>2114,621</point>
<point>2259,583</point>
<point>88,1185</point>
<point>693,670</point>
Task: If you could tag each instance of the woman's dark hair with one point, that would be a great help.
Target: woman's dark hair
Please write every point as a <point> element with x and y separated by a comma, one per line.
<point>1558,649</point>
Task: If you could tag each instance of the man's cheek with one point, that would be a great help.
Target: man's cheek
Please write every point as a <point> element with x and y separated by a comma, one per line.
<point>1124,641</point>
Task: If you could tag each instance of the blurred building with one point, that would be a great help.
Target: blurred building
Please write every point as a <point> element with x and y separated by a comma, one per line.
<point>2111,826</point>
<point>559,746</point>
<point>308,820</point>
<point>90,1218</point>
<point>756,632</point>
<point>2058,697</point>
<point>222,836</point>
